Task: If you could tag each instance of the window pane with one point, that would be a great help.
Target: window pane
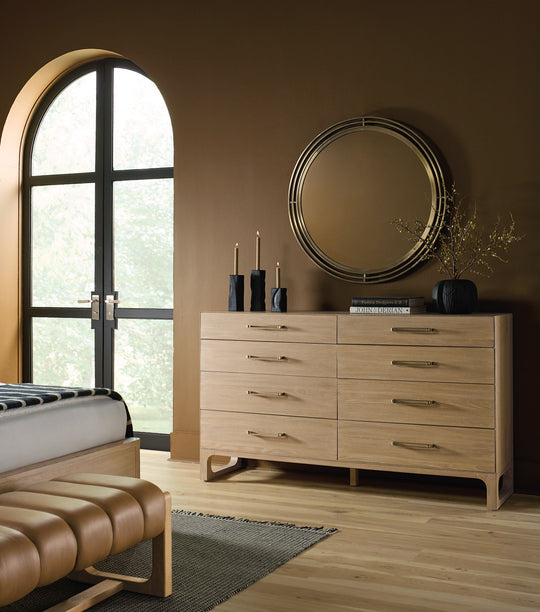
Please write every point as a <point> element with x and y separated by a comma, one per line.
<point>143,243</point>
<point>63,352</point>
<point>66,137</point>
<point>143,372</point>
<point>142,126</point>
<point>62,239</point>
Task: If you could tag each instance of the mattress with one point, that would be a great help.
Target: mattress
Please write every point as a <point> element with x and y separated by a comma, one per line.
<point>46,431</point>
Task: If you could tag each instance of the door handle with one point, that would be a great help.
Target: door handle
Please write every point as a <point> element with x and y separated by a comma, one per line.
<point>110,302</point>
<point>94,301</point>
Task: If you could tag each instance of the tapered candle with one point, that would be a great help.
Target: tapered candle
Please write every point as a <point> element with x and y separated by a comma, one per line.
<point>278,276</point>
<point>258,251</point>
<point>235,265</point>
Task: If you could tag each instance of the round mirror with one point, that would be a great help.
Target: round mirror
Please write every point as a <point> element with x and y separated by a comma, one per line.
<point>348,186</point>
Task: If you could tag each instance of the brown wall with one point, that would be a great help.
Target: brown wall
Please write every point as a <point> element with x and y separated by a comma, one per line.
<point>249,83</point>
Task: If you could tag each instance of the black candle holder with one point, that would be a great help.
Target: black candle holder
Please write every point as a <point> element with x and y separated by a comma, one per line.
<point>236,292</point>
<point>258,290</point>
<point>278,301</point>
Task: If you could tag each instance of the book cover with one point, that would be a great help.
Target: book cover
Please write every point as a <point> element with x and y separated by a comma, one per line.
<point>387,309</point>
<point>387,301</point>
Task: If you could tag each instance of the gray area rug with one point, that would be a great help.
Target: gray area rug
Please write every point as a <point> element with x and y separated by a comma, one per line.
<point>213,558</point>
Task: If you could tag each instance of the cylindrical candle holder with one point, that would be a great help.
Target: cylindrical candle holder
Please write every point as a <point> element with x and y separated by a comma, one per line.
<point>258,290</point>
<point>279,299</point>
<point>236,292</point>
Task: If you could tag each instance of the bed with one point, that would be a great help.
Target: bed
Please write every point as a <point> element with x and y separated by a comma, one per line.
<point>49,431</point>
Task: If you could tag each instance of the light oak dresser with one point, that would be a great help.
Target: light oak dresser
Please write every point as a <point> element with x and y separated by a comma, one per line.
<point>425,394</point>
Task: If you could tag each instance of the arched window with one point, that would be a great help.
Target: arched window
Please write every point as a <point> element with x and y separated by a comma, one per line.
<point>98,232</point>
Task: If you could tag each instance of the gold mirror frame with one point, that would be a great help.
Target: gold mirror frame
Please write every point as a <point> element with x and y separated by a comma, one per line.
<point>438,204</point>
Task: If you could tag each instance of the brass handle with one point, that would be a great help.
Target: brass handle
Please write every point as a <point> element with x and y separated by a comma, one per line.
<point>414,402</point>
<point>413,330</point>
<point>415,445</point>
<point>267,393</point>
<point>414,364</point>
<point>266,435</point>
<point>273,327</point>
<point>278,358</point>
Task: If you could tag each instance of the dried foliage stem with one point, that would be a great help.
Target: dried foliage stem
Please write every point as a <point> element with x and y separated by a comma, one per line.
<point>463,246</point>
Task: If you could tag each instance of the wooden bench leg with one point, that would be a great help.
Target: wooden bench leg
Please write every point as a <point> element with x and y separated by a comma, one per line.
<point>89,597</point>
<point>159,583</point>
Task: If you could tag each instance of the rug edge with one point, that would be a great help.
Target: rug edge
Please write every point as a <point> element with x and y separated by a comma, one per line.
<point>321,529</point>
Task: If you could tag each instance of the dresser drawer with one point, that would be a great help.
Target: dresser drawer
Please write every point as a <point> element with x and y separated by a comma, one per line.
<point>269,394</point>
<point>269,358</point>
<point>419,330</point>
<point>269,436</point>
<point>416,402</point>
<point>263,326</point>
<point>430,364</point>
<point>403,446</point>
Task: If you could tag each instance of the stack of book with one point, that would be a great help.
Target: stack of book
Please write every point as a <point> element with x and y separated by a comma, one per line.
<point>387,305</point>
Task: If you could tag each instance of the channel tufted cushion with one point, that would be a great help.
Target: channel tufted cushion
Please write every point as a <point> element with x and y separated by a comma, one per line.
<point>147,494</point>
<point>63,527</point>
<point>19,565</point>
<point>89,523</point>
<point>55,542</point>
<point>123,510</point>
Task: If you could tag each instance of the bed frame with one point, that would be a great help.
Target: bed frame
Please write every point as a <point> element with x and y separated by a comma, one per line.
<point>120,458</point>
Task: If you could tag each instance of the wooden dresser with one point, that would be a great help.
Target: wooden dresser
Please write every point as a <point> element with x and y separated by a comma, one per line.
<point>426,394</point>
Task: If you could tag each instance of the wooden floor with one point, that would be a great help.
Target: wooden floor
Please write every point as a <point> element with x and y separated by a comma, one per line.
<point>401,546</point>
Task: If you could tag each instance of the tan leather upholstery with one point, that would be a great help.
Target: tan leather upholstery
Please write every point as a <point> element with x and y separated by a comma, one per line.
<point>89,523</point>
<point>53,528</point>
<point>19,565</point>
<point>52,536</point>
<point>123,510</point>
<point>148,495</point>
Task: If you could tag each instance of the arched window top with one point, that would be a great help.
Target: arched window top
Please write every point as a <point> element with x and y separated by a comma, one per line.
<point>65,141</point>
<point>139,142</point>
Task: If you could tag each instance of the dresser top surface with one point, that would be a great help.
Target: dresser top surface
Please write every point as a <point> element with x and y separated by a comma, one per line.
<point>347,314</point>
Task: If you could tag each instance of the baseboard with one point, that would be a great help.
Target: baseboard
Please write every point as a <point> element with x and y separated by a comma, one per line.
<point>153,441</point>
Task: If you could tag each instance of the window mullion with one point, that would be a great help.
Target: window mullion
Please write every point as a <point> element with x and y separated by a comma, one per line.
<point>104,268</point>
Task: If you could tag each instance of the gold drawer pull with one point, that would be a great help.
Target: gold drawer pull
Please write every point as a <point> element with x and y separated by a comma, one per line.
<point>415,330</point>
<point>267,393</point>
<point>278,358</point>
<point>266,435</point>
<point>414,364</point>
<point>269,327</point>
<point>414,402</point>
<point>415,445</point>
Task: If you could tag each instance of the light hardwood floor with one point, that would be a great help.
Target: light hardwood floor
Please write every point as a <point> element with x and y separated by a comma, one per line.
<point>410,546</point>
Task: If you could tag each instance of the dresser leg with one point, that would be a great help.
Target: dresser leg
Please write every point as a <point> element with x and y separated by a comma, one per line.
<point>209,473</point>
<point>498,488</point>
<point>354,479</point>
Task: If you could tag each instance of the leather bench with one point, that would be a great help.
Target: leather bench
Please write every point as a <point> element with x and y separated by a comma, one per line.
<point>62,527</point>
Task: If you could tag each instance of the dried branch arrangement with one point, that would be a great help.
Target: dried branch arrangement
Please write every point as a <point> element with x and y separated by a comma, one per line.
<point>463,246</point>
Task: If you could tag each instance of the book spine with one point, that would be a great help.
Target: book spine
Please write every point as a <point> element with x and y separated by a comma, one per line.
<point>386,302</point>
<point>384,310</point>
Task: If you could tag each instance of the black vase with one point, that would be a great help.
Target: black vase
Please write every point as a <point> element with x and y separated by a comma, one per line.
<point>455,296</point>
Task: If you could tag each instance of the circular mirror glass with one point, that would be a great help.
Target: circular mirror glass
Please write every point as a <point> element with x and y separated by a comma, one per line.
<point>348,186</point>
